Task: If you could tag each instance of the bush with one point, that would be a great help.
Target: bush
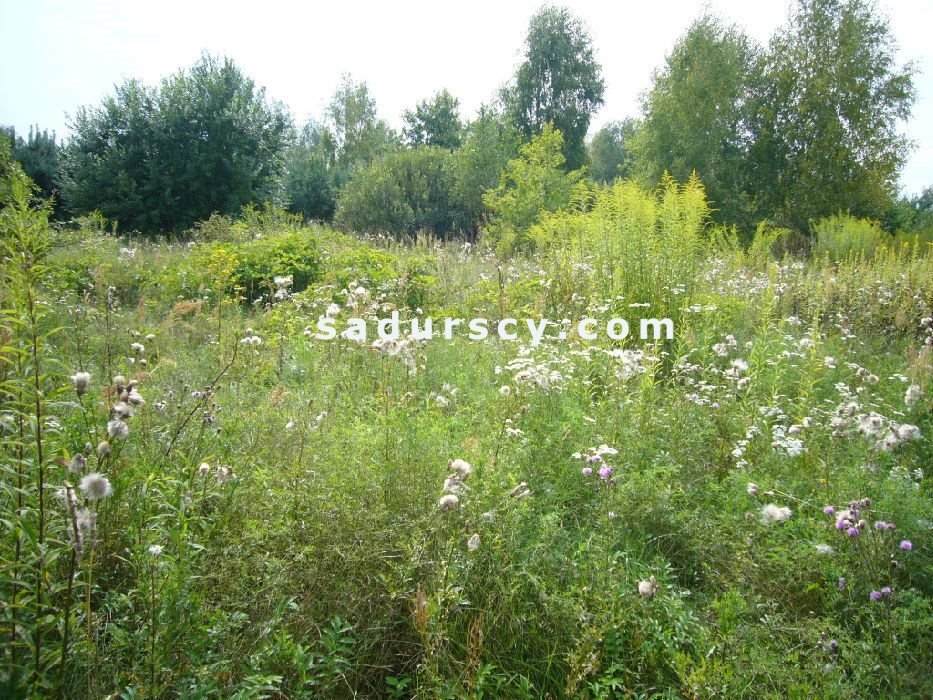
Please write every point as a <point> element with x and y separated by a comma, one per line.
<point>406,192</point>
<point>842,235</point>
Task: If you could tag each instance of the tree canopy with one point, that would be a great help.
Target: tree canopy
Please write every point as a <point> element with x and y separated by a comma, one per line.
<point>558,83</point>
<point>159,159</point>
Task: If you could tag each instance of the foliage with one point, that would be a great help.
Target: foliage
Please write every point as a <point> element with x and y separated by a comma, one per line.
<point>490,142</point>
<point>609,151</point>
<point>157,160</point>
<point>696,116</point>
<point>827,112</point>
<point>310,182</point>
<point>38,155</point>
<point>533,183</point>
<point>434,122</point>
<point>558,83</point>
<point>841,236</point>
<point>406,192</point>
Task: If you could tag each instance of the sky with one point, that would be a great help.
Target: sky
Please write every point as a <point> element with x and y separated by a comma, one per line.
<point>57,56</point>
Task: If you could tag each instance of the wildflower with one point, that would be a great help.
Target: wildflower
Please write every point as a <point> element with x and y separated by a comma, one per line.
<point>223,474</point>
<point>648,587</point>
<point>95,486</point>
<point>452,484</point>
<point>77,464</point>
<point>138,348</point>
<point>204,469</point>
<point>906,545</point>
<point>122,410</point>
<point>150,337</point>
<point>117,429</point>
<point>134,398</point>
<point>103,448</point>
<point>586,471</point>
<point>829,510</point>
<point>875,596</point>
<point>155,550</point>
<point>505,390</point>
<point>752,488</point>
<point>774,514</point>
<point>80,380</point>
<point>605,471</point>
<point>462,468</point>
<point>824,549</point>
<point>119,381</point>
<point>743,383</point>
<point>86,521</point>
<point>739,366</point>
<point>911,397</point>
<point>473,542</point>
<point>852,532</point>
<point>886,591</point>
<point>908,432</point>
<point>842,583</point>
<point>448,502</point>
<point>442,401</point>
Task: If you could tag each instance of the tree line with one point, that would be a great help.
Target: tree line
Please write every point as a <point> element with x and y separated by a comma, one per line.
<point>801,128</point>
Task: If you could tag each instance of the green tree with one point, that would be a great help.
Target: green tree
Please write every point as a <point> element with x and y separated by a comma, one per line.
<point>406,192</point>
<point>354,134</point>
<point>434,122</point>
<point>696,116</point>
<point>205,141</point>
<point>309,184</point>
<point>827,114</point>
<point>490,142</point>
<point>534,182</point>
<point>558,83</point>
<point>610,151</point>
<point>38,155</point>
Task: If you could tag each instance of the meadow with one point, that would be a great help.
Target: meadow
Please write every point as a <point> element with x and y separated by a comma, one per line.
<point>201,499</point>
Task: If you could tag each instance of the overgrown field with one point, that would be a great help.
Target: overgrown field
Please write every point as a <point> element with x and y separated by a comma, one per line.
<point>229,507</point>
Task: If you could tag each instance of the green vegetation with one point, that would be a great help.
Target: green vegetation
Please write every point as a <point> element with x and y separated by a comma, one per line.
<point>200,497</point>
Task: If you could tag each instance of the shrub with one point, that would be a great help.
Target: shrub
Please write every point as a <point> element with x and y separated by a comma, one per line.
<point>406,192</point>
<point>842,235</point>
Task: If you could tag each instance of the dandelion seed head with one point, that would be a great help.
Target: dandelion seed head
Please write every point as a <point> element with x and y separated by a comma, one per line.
<point>80,380</point>
<point>772,513</point>
<point>448,501</point>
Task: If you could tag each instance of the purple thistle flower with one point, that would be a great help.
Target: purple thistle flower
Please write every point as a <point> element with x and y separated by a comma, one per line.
<point>852,532</point>
<point>594,458</point>
<point>587,471</point>
<point>906,545</point>
<point>875,596</point>
<point>886,591</point>
<point>829,510</point>
<point>881,525</point>
<point>605,471</point>
<point>842,524</point>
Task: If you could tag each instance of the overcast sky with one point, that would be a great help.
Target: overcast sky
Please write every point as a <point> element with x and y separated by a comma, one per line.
<point>55,56</point>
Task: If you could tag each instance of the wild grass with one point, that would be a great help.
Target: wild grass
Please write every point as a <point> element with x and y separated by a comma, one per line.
<point>276,529</point>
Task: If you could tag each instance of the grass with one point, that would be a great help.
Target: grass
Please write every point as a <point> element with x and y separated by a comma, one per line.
<point>325,567</point>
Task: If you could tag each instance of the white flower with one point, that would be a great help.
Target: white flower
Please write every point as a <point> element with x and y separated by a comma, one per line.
<point>452,484</point>
<point>103,448</point>
<point>473,542</point>
<point>462,467</point>
<point>138,348</point>
<point>204,469</point>
<point>117,429</point>
<point>910,398</point>
<point>95,486</point>
<point>223,474</point>
<point>774,514</point>
<point>908,432</point>
<point>155,550</point>
<point>80,380</point>
<point>505,390</point>
<point>448,502</point>
<point>119,381</point>
<point>824,549</point>
<point>648,587</point>
<point>752,488</point>
<point>77,464</point>
<point>134,398</point>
